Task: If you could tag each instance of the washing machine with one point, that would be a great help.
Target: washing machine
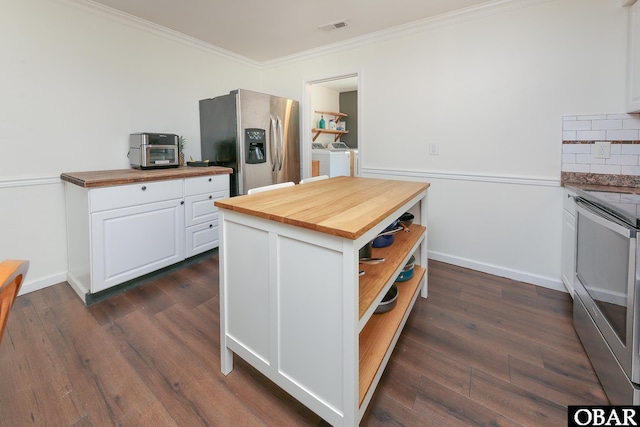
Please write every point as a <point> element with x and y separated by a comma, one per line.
<point>333,162</point>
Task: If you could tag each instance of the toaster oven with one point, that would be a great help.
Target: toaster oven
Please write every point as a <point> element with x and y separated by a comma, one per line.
<point>153,150</point>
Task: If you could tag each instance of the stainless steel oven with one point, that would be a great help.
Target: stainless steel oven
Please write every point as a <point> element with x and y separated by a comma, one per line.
<point>606,301</point>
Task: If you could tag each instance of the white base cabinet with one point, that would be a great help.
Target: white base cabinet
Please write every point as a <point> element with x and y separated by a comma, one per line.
<point>569,241</point>
<point>121,232</point>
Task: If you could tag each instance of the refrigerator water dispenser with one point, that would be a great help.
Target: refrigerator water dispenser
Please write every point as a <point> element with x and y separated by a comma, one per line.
<point>255,145</point>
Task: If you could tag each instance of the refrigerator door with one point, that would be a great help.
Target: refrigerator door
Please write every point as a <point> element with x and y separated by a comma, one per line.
<point>254,117</point>
<point>287,120</point>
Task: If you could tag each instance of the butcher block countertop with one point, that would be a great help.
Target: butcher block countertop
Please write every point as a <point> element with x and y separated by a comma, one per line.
<point>342,206</point>
<point>93,179</point>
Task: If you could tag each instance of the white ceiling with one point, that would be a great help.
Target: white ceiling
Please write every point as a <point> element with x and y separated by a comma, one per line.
<point>264,30</point>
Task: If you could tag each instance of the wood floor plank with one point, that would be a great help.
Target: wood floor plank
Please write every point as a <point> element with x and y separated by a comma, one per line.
<point>28,359</point>
<point>188,391</point>
<point>439,406</point>
<point>107,386</point>
<point>560,389</point>
<point>525,406</point>
<point>446,314</point>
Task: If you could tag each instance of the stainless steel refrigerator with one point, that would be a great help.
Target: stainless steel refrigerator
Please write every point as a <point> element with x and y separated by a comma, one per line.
<point>255,134</point>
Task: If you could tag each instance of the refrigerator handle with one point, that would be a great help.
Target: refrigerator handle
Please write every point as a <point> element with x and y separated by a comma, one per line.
<point>281,142</point>
<point>273,144</point>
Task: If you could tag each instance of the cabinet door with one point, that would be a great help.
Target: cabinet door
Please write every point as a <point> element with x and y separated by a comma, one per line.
<point>633,60</point>
<point>568,250</point>
<point>128,243</point>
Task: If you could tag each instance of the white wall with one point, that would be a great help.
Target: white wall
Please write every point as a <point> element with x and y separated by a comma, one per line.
<point>491,89</point>
<point>75,82</point>
<point>323,99</point>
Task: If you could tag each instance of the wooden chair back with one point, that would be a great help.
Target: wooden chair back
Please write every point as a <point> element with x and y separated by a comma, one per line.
<point>314,178</point>
<point>12,274</point>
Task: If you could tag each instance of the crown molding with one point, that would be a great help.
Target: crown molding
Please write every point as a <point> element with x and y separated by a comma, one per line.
<point>455,17</point>
<point>463,15</point>
<point>158,30</point>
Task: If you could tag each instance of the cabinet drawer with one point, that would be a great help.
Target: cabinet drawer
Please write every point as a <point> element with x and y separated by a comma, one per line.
<point>124,196</point>
<point>206,184</point>
<point>200,208</point>
<point>201,238</point>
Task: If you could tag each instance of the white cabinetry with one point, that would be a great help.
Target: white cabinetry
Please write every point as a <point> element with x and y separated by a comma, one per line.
<point>201,216</point>
<point>117,233</point>
<point>633,58</point>
<point>569,240</point>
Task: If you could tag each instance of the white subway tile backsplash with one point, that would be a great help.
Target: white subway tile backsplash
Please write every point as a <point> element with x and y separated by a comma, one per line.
<point>576,148</point>
<point>572,167</point>
<point>630,148</point>
<point>619,159</point>
<point>593,117</point>
<point>630,170</point>
<point>577,125</point>
<point>622,129</point>
<point>591,135</point>
<point>606,169</point>
<point>631,124</point>
<point>623,116</point>
<point>589,159</point>
<point>623,135</point>
<point>606,124</point>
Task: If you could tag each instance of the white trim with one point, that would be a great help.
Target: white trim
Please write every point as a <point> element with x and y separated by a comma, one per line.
<point>156,29</point>
<point>465,176</point>
<point>446,19</point>
<point>29,182</point>
<point>496,270</point>
<point>42,283</point>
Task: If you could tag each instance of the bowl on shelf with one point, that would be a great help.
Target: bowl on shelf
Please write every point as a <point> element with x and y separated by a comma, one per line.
<point>387,236</point>
<point>389,301</point>
<point>407,271</point>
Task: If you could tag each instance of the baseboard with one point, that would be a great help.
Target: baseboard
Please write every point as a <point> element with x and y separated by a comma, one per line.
<point>45,282</point>
<point>521,276</point>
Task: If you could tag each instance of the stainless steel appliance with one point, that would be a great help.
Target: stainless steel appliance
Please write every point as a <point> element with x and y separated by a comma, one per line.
<point>153,150</point>
<point>606,301</point>
<point>255,134</point>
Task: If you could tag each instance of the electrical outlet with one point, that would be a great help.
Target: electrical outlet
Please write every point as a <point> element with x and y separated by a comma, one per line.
<point>602,150</point>
<point>434,149</point>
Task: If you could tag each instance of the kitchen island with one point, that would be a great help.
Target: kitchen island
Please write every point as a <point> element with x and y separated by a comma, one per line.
<point>293,302</point>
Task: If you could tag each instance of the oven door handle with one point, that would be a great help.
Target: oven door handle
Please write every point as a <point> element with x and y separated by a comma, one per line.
<point>604,219</point>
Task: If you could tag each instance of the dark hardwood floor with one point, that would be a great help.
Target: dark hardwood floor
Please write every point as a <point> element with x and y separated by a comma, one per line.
<point>481,350</point>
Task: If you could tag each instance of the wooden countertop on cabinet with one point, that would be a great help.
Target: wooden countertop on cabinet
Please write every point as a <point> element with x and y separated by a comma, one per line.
<point>105,178</point>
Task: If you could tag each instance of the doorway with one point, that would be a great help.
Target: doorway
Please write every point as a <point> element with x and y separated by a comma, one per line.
<point>331,94</point>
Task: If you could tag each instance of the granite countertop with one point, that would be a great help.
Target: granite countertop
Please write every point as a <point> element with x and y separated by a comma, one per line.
<point>601,182</point>
<point>342,206</point>
<point>106,178</point>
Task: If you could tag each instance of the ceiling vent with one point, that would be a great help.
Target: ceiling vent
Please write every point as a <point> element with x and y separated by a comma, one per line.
<point>333,25</point>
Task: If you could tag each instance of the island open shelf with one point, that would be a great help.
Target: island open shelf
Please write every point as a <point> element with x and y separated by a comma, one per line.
<point>381,332</point>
